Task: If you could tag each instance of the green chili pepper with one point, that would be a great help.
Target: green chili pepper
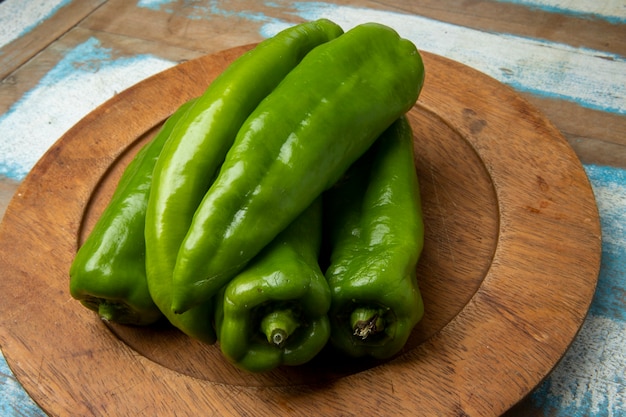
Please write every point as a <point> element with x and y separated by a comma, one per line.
<point>108,274</point>
<point>297,143</point>
<point>376,234</point>
<point>190,159</point>
<point>274,312</point>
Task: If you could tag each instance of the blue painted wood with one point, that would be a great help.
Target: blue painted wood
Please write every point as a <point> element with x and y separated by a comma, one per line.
<point>14,401</point>
<point>613,11</point>
<point>530,65</point>
<point>72,80</point>
<point>591,378</point>
<point>19,17</point>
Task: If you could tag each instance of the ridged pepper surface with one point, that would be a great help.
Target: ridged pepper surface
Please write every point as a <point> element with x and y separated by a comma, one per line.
<point>193,154</point>
<point>300,139</point>
<point>376,233</point>
<point>275,311</point>
<point>108,273</point>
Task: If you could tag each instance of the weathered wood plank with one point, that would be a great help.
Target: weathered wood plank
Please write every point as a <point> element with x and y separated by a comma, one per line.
<point>536,72</point>
<point>64,73</point>
<point>193,25</point>
<point>44,22</point>
<point>517,19</point>
<point>236,22</point>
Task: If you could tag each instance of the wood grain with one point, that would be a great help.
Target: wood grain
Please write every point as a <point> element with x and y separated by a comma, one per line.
<point>509,268</point>
<point>7,188</point>
<point>586,130</point>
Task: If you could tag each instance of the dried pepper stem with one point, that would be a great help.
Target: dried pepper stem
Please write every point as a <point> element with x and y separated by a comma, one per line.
<point>366,321</point>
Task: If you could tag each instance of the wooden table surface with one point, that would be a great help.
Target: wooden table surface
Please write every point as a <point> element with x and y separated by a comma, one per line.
<point>59,59</point>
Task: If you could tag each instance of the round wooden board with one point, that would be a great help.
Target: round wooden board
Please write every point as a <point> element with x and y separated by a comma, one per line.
<point>509,268</point>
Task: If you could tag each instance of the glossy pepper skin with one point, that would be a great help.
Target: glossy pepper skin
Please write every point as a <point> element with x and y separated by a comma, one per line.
<point>108,273</point>
<point>194,152</point>
<point>376,233</point>
<point>275,311</point>
<point>299,140</point>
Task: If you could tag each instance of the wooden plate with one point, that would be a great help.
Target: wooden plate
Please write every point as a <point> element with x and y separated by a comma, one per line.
<point>509,268</point>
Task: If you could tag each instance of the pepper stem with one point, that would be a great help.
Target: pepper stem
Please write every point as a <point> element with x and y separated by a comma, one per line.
<point>107,311</point>
<point>278,326</point>
<point>366,321</point>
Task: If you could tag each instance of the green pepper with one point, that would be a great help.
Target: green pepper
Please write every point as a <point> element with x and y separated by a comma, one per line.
<point>191,157</point>
<point>275,311</point>
<point>376,234</point>
<point>108,273</point>
<point>300,139</point>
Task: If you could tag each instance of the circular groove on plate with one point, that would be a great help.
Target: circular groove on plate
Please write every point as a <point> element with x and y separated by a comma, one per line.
<point>460,222</point>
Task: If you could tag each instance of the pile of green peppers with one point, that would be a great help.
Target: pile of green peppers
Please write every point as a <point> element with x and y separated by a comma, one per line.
<point>278,213</point>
